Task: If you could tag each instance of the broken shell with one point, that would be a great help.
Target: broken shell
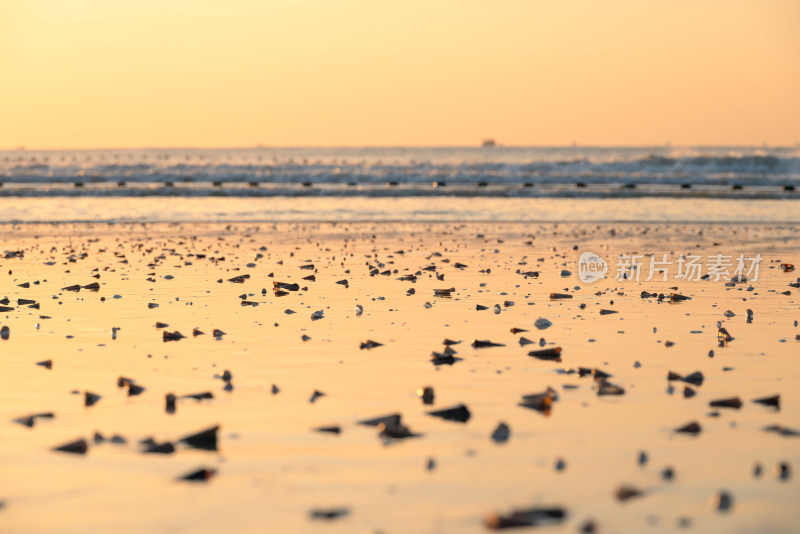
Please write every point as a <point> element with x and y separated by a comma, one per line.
<point>80,446</point>
<point>525,518</point>
<point>484,343</point>
<point>607,388</point>
<point>774,401</point>
<point>397,431</point>
<point>90,399</point>
<point>200,475</point>
<point>172,336</point>
<point>733,402</point>
<point>459,414</point>
<point>626,492</point>
<point>693,428</point>
<point>389,420</point>
<point>205,439</point>
<point>551,354</point>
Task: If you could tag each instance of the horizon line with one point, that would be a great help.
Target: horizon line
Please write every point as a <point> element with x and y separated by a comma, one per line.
<point>23,148</point>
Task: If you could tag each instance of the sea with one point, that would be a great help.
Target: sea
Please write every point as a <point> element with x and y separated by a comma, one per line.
<point>499,183</point>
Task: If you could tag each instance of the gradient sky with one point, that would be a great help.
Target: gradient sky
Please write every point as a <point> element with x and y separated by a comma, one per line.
<point>146,73</point>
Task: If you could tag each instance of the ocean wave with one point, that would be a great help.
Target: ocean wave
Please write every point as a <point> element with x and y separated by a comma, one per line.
<point>428,170</point>
<point>397,190</point>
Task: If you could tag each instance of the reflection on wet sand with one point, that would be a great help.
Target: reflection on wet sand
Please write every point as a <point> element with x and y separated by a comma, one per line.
<point>326,399</point>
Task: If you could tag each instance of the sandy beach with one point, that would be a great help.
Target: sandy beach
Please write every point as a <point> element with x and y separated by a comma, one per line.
<point>367,330</point>
<point>449,267</point>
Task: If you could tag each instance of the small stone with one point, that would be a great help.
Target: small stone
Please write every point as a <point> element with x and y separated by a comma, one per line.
<point>784,471</point>
<point>335,429</point>
<point>502,433</point>
<point>169,403</point>
<point>426,394</point>
<point>329,513</point>
<point>757,470</point>
<point>722,501</point>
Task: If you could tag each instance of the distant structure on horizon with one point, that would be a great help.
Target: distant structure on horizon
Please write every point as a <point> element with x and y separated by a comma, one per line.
<point>488,143</point>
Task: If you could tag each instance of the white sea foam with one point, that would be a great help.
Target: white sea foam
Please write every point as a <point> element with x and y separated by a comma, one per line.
<point>747,172</point>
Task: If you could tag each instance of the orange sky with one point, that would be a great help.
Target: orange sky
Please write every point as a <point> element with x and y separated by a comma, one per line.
<point>99,73</point>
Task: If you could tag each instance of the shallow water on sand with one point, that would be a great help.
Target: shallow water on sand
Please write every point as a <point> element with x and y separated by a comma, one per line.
<point>273,469</point>
<point>398,209</point>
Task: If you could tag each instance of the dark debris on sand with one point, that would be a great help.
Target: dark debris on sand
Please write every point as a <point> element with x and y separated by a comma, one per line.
<point>557,301</point>
<point>526,517</point>
<point>459,413</point>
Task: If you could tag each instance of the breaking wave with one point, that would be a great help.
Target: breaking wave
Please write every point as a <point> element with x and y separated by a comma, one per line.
<point>496,171</point>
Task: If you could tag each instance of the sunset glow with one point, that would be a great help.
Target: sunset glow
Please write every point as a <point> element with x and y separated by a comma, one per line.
<point>94,74</point>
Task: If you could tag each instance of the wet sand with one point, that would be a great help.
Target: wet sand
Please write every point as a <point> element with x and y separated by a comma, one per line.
<point>275,471</point>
